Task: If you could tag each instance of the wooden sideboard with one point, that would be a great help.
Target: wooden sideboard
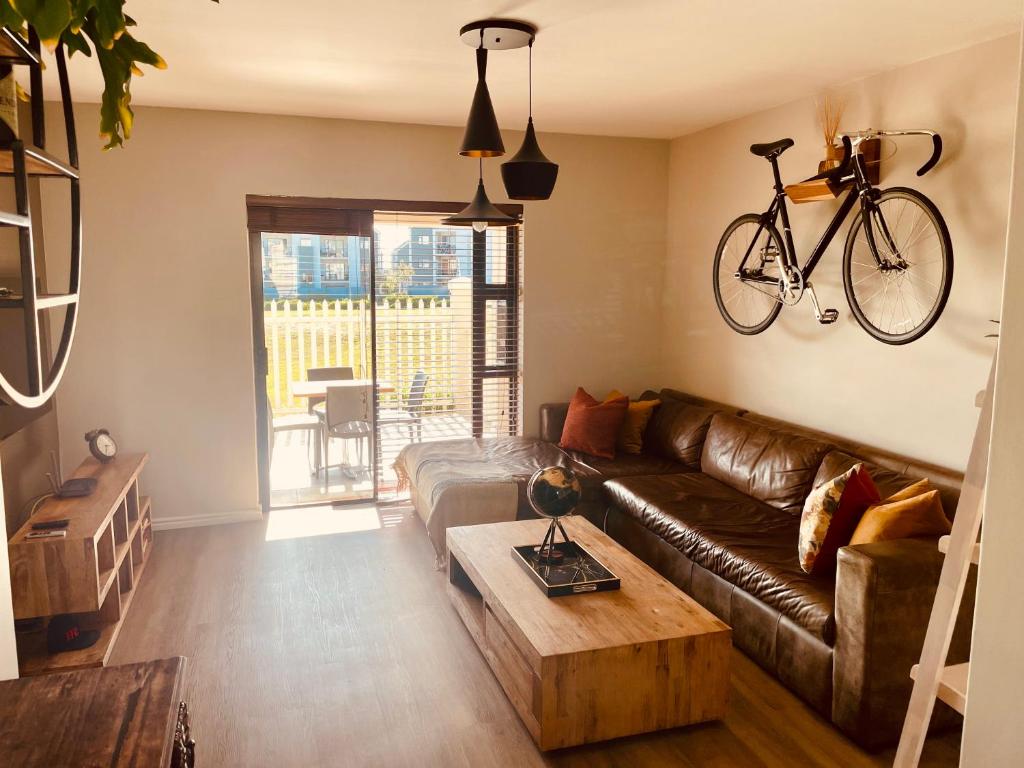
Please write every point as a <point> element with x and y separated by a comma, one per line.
<point>93,571</point>
<point>130,715</point>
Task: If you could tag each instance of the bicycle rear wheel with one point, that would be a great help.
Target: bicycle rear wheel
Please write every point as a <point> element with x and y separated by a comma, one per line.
<point>898,296</point>
<point>748,307</point>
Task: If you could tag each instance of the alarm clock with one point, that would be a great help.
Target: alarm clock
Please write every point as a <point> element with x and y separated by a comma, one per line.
<point>101,445</point>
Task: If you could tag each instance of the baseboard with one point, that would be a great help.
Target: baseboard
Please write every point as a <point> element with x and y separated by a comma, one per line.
<point>195,521</point>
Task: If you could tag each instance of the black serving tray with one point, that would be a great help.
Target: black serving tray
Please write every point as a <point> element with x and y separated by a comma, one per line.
<point>579,571</point>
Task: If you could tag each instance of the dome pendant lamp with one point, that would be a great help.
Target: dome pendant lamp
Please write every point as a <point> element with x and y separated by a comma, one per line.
<point>480,212</point>
<point>529,175</point>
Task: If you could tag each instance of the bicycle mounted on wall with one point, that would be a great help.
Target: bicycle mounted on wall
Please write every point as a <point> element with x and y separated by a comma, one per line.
<point>897,262</point>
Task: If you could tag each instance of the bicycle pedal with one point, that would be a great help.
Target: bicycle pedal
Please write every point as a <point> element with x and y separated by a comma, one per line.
<point>828,316</point>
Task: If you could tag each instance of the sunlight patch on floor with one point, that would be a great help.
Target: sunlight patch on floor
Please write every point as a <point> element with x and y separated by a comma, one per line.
<point>320,521</point>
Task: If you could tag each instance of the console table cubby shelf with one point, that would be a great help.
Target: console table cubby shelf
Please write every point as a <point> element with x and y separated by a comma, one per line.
<point>93,571</point>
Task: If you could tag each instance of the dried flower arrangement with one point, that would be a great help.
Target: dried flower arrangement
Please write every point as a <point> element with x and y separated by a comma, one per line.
<point>830,112</point>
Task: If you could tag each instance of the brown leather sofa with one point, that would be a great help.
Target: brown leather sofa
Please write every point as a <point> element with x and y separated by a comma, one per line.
<point>713,503</point>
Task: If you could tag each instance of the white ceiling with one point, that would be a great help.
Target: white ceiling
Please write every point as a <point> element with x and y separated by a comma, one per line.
<point>654,68</point>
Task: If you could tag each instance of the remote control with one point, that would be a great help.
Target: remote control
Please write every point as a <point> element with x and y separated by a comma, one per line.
<point>46,534</point>
<point>49,525</point>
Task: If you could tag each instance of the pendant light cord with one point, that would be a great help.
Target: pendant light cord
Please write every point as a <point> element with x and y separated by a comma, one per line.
<point>530,69</point>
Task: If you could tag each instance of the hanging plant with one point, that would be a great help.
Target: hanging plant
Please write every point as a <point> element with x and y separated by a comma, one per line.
<point>104,24</point>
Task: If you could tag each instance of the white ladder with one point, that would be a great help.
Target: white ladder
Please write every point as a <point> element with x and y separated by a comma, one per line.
<point>932,678</point>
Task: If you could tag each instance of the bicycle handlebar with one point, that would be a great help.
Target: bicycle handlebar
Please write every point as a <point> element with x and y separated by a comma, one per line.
<point>849,148</point>
<point>936,154</point>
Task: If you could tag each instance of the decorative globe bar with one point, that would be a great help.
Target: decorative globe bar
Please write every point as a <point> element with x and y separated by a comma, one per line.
<point>554,493</point>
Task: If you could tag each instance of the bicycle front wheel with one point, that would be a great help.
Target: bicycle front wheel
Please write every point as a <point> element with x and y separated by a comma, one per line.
<point>749,305</point>
<point>898,289</point>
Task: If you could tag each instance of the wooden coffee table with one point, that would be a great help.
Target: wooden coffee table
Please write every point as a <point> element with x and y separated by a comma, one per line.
<point>594,666</point>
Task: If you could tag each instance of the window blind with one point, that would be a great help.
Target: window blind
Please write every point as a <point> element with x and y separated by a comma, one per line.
<point>447,339</point>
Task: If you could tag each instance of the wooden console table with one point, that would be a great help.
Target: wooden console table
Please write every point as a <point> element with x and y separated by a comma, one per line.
<point>93,571</point>
<point>130,715</point>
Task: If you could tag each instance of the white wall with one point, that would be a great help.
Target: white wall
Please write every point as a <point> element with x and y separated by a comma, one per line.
<point>164,349</point>
<point>8,647</point>
<point>917,399</point>
<point>992,732</point>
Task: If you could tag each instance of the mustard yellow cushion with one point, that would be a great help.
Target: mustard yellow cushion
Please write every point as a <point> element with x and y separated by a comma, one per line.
<point>631,433</point>
<point>914,511</point>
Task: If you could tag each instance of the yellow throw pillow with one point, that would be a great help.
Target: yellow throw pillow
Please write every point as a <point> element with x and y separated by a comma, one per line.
<point>914,511</point>
<point>631,434</point>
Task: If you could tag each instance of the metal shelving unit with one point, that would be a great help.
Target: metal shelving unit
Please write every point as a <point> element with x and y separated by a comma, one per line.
<point>21,161</point>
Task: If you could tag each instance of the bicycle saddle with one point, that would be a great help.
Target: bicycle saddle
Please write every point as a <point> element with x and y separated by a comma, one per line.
<point>772,148</point>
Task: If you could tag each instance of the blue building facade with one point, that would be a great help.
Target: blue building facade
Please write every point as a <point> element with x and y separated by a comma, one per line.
<point>314,266</point>
<point>435,256</point>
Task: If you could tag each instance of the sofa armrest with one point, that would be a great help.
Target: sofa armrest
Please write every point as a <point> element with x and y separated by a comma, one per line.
<point>552,419</point>
<point>884,595</point>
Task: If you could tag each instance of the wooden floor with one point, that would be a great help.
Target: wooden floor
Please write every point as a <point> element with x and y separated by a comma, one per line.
<point>341,649</point>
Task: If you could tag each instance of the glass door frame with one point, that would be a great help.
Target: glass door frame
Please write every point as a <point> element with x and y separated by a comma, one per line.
<point>271,213</point>
<point>483,292</point>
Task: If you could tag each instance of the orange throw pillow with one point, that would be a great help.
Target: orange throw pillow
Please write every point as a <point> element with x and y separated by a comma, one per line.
<point>593,427</point>
<point>830,516</point>
<point>914,511</point>
<point>631,435</point>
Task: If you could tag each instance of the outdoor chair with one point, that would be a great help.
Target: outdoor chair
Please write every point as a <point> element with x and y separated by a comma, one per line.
<point>410,412</point>
<point>346,414</point>
<point>299,422</point>
<point>330,373</point>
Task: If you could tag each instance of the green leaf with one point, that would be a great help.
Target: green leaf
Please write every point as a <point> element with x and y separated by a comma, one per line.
<point>49,18</point>
<point>79,10</point>
<point>115,106</point>
<point>9,17</point>
<point>138,51</point>
<point>76,43</point>
<point>109,16</point>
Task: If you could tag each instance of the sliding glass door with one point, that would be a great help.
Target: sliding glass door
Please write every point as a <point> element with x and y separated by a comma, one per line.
<point>374,331</point>
<point>319,359</point>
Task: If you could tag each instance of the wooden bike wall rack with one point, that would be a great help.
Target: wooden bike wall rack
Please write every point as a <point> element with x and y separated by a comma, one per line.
<point>21,161</point>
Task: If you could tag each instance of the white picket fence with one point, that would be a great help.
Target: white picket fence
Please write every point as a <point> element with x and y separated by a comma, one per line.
<point>412,334</point>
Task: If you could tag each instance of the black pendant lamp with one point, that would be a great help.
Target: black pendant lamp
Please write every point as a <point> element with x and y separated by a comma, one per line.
<point>529,175</point>
<point>481,213</point>
<point>482,138</point>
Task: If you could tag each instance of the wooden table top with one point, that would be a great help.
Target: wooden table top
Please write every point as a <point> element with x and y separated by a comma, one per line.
<point>647,608</point>
<point>319,388</point>
<point>114,716</point>
<point>87,513</point>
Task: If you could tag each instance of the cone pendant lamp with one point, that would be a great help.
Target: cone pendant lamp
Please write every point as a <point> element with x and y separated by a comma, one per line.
<point>480,213</point>
<point>482,138</point>
<point>529,175</point>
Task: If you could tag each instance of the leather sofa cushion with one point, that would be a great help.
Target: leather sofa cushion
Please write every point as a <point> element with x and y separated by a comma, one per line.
<point>748,543</point>
<point>627,464</point>
<point>677,431</point>
<point>772,465</point>
<point>947,481</point>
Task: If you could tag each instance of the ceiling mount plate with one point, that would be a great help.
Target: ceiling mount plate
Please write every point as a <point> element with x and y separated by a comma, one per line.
<point>498,34</point>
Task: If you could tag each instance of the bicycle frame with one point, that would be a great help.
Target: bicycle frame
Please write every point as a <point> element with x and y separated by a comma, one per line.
<point>859,188</point>
<point>855,179</point>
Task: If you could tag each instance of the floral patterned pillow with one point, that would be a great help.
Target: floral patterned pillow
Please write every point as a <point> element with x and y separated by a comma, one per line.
<point>830,516</point>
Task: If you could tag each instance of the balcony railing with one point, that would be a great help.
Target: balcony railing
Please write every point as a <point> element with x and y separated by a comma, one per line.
<point>412,334</point>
